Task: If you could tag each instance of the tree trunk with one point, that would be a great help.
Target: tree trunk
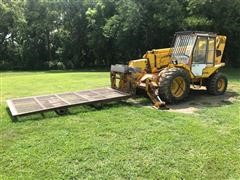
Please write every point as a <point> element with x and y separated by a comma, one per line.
<point>48,46</point>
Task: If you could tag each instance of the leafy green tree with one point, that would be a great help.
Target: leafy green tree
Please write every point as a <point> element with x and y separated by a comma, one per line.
<point>42,22</point>
<point>11,24</point>
<point>37,34</point>
<point>218,16</point>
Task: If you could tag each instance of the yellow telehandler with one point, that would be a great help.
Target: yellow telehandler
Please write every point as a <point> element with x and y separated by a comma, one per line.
<point>166,74</point>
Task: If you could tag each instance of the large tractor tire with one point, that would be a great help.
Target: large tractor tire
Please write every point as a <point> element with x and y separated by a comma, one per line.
<point>217,84</point>
<point>174,85</point>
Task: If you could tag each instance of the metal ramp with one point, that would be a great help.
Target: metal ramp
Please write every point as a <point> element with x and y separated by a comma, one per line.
<point>38,104</point>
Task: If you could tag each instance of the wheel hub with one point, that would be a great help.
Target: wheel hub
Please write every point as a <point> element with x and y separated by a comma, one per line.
<point>178,87</point>
<point>220,85</point>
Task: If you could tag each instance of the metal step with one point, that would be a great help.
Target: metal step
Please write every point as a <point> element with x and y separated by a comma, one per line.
<point>37,104</point>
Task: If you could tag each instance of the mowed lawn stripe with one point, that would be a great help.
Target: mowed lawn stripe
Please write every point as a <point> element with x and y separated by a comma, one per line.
<point>120,140</point>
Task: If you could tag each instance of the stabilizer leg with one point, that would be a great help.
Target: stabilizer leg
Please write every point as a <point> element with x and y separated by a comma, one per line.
<point>153,95</point>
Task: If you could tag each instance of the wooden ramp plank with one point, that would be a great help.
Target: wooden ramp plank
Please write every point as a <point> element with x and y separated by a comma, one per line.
<point>37,104</point>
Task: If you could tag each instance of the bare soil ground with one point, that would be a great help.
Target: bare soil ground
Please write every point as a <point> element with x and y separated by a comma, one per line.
<point>199,99</point>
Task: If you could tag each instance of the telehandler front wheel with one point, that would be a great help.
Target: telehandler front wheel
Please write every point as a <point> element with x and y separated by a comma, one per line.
<point>217,84</point>
<point>174,85</point>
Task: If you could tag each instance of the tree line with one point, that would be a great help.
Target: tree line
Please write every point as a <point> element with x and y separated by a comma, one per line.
<point>73,34</point>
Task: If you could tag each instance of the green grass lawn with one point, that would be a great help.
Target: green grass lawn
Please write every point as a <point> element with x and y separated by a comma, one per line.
<point>119,141</point>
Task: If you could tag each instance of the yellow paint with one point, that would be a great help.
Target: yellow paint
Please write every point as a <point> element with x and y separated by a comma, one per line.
<point>221,85</point>
<point>159,57</point>
<point>220,45</point>
<point>140,63</point>
<point>178,87</point>
<point>208,71</point>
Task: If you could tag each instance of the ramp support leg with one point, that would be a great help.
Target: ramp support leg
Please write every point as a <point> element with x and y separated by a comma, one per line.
<point>152,92</point>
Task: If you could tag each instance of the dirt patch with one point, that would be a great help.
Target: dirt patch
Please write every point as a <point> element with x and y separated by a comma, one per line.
<point>198,99</point>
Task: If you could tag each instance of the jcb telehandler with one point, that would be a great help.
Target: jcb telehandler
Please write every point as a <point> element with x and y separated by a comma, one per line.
<point>166,74</point>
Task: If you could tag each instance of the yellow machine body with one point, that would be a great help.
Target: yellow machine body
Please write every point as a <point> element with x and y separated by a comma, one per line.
<point>195,58</point>
<point>161,58</point>
<point>158,58</point>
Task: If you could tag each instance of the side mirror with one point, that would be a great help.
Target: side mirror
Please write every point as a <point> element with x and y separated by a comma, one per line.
<point>218,53</point>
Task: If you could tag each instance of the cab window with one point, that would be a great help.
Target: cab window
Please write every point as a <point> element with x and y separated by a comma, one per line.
<point>211,48</point>
<point>199,53</point>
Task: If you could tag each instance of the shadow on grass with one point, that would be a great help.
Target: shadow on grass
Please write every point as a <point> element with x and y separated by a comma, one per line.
<point>197,100</point>
<point>50,115</point>
<point>232,73</point>
<point>13,118</point>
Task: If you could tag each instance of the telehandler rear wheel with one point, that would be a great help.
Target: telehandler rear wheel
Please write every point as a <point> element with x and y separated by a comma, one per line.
<point>217,84</point>
<point>174,85</point>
